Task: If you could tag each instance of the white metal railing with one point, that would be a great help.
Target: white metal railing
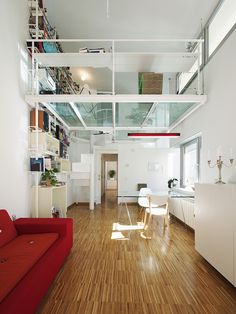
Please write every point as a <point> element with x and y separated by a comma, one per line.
<point>196,53</point>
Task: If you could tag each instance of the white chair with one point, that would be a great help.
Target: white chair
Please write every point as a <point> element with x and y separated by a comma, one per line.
<point>143,199</point>
<point>158,206</point>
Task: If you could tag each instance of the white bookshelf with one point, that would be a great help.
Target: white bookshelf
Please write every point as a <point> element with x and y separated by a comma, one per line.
<point>49,197</point>
<point>47,144</point>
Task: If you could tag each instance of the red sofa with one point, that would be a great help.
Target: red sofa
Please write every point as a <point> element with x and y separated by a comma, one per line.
<point>32,251</point>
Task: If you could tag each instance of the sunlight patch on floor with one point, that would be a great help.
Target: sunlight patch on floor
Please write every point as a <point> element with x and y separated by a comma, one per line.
<point>116,235</point>
<point>117,226</point>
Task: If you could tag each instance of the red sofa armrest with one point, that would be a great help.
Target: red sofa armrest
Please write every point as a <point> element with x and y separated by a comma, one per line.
<point>62,226</point>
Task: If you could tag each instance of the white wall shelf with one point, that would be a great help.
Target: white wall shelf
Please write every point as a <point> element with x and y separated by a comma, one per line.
<point>47,144</point>
<point>64,165</point>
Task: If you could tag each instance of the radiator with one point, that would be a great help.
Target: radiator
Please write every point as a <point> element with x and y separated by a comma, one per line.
<point>183,209</point>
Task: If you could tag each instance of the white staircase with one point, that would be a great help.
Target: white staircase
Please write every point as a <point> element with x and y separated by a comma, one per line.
<point>83,173</point>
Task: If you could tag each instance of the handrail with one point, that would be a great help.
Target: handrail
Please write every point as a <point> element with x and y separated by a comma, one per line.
<point>116,40</point>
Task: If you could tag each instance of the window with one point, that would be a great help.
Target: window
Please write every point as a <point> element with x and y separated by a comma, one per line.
<point>190,158</point>
<point>221,24</point>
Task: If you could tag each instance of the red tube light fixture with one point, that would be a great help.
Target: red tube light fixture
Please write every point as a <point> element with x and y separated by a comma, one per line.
<point>153,135</point>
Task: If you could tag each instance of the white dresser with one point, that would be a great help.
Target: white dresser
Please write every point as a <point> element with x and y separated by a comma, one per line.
<point>215,226</point>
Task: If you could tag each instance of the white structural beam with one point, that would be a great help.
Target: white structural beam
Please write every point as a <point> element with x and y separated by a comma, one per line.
<point>149,113</point>
<point>76,110</point>
<point>184,116</point>
<point>193,40</point>
<point>114,115</point>
<point>120,128</point>
<point>31,99</point>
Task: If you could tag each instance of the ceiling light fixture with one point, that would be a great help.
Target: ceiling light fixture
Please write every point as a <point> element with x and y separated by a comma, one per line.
<point>153,135</point>
<point>84,76</point>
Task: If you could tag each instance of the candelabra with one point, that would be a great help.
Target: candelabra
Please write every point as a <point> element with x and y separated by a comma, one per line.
<point>219,163</point>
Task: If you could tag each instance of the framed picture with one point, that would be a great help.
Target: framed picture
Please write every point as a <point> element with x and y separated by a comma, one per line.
<point>37,164</point>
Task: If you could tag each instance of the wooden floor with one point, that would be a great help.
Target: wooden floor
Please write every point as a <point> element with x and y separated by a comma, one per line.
<point>161,275</point>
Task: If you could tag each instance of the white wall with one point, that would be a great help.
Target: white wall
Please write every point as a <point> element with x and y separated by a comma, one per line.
<point>174,164</point>
<point>126,83</point>
<point>135,165</point>
<point>14,183</point>
<point>216,120</point>
<point>133,161</point>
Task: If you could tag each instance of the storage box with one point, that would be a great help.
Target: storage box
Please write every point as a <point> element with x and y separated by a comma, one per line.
<point>150,83</point>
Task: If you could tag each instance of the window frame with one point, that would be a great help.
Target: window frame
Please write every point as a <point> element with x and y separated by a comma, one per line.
<point>210,20</point>
<point>196,140</point>
<point>205,51</point>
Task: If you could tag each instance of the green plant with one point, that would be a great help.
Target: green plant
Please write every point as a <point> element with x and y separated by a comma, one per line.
<point>111,173</point>
<point>49,178</point>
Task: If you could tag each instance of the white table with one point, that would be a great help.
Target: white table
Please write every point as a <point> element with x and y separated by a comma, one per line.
<point>125,195</point>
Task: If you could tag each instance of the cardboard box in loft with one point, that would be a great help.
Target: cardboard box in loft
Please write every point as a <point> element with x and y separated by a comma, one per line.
<point>150,83</point>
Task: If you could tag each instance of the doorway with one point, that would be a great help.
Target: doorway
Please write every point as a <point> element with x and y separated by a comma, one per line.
<point>109,177</point>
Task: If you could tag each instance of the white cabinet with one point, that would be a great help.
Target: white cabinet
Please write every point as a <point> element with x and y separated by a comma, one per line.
<point>49,197</point>
<point>183,209</point>
<point>215,226</point>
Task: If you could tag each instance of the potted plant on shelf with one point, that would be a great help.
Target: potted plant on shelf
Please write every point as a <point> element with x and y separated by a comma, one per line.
<point>48,178</point>
<point>112,174</point>
<point>172,183</point>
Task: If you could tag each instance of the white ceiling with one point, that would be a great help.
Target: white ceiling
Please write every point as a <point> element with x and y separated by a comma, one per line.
<point>129,18</point>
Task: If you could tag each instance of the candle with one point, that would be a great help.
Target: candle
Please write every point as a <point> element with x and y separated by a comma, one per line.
<point>219,151</point>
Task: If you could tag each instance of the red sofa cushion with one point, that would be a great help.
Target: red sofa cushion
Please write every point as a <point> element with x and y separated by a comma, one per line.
<point>18,256</point>
<point>7,228</point>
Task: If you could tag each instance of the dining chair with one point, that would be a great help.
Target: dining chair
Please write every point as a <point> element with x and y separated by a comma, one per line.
<point>157,206</point>
<point>143,200</point>
<point>143,197</point>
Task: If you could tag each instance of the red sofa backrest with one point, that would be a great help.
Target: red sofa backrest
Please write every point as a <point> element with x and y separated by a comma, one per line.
<point>7,229</point>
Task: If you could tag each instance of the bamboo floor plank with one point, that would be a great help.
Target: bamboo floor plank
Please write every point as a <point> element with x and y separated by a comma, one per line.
<point>134,275</point>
